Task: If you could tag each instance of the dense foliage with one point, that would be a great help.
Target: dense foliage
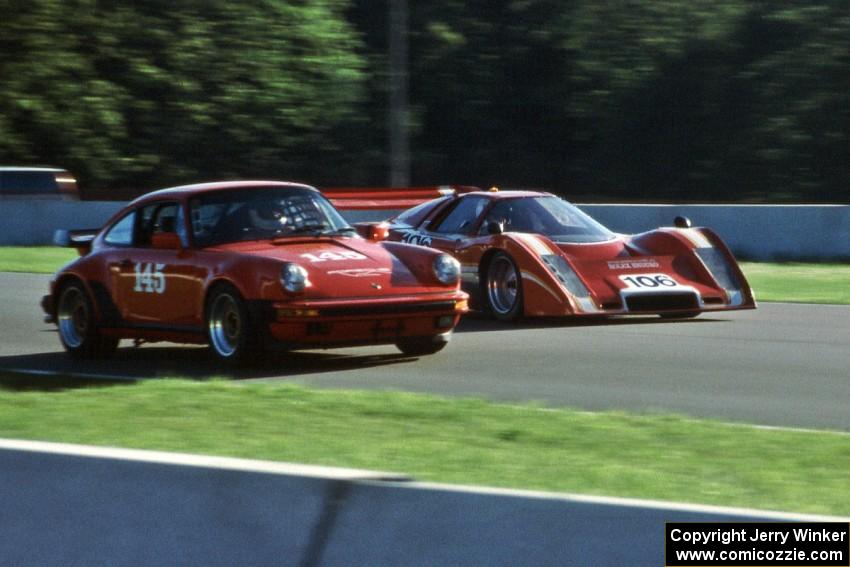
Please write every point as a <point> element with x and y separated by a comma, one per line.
<point>144,94</point>
<point>632,100</point>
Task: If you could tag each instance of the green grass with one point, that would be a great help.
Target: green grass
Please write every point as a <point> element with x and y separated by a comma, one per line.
<point>37,259</point>
<point>452,440</point>
<point>803,283</point>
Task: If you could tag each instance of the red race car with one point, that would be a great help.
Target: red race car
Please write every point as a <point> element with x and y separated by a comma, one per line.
<point>243,265</point>
<point>532,253</point>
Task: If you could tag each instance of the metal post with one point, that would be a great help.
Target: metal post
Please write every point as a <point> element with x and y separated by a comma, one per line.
<point>398,118</point>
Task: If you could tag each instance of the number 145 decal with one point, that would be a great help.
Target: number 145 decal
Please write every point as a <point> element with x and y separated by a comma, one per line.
<point>334,256</point>
<point>149,278</point>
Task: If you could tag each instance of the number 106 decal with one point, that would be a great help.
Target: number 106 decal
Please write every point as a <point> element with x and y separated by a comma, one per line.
<point>649,281</point>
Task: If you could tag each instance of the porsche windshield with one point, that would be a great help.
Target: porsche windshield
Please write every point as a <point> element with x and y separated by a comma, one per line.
<point>550,216</point>
<point>263,213</point>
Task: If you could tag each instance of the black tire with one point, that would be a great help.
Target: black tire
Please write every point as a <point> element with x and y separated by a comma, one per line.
<point>502,288</point>
<point>685,315</point>
<point>77,324</point>
<point>231,333</point>
<point>421,346</point>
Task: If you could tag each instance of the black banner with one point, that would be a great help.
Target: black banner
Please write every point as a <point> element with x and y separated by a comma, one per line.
<point>760,544</point>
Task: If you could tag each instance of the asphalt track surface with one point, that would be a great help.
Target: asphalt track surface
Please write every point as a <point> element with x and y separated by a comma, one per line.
<point>781,365</point>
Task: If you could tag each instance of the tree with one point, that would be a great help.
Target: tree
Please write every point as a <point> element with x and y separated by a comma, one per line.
<point>156,93</point>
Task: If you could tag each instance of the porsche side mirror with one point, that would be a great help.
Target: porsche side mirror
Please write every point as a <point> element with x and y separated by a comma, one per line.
<point>495,227</point>
<point>682,222</point>
<point>166,241</point>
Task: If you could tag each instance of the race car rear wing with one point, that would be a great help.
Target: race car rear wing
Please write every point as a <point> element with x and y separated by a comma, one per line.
<point>385,198</point>
<point>80,239</point>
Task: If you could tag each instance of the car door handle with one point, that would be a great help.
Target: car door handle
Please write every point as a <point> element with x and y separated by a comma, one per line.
<point>125,264</point>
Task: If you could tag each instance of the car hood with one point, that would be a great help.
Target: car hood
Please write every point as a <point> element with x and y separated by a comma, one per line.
<point>339,266</point>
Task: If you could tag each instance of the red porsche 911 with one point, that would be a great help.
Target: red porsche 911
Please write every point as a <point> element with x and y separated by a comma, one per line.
<point>245,265</point>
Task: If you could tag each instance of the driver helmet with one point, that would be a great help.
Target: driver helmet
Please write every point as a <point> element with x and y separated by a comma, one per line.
<point>268,215</point>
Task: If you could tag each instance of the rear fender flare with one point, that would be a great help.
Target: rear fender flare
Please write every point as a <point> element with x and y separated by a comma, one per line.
<point>105,311</point>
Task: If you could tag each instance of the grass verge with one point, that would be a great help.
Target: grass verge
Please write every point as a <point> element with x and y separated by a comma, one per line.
<point>804,283</point>
<point>452,440</point>
<point>34,259</point>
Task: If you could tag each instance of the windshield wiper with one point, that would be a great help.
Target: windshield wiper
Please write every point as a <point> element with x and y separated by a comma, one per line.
<point>315,229</point>
<point>339,231</point>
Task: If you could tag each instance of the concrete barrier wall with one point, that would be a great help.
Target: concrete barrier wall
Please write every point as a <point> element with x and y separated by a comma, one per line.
<point>69,505</point>
<point>757,232</point>
<point>33,222</point>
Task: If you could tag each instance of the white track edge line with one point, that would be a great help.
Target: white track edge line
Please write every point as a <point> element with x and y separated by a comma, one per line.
<point>201,461</point>
<point>632,502</point>
<point>387,479</point>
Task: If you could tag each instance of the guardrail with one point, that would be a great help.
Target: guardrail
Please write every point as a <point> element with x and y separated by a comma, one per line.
<point>755,232</point>
<point>69,505</point>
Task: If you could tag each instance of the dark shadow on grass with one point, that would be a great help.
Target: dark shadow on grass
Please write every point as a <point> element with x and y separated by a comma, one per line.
<point>20,382</point>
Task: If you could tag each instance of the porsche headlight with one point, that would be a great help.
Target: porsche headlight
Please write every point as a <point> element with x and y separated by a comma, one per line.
<point>447,269</point>
<point>293,278</point>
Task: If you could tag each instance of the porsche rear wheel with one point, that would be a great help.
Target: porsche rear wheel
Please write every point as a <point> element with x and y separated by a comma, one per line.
<point>503,288</point>
<point>77,325</point>
<point>229,329</point>
<point>421,346</point>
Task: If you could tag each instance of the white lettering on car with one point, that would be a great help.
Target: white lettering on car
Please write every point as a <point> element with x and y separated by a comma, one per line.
<point>412,237</point>
<point>632,264</point>
<point>149,277</point>
<point>334,256</point>
<point>649,281</point>
<point>362,272</point>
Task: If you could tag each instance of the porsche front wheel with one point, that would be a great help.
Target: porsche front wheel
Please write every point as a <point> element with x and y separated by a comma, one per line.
<point>503,288</point>
<point>78,329</point>
<point>229,329</point>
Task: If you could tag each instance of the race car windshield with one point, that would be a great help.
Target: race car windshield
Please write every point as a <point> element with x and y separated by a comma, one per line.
<point>262,214</point>
<point>549,216</point>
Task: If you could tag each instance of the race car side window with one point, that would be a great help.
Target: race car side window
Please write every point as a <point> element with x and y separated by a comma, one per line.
<point>159,218</point>
<point>461,218</point>
<point>121,233</point>
<point>413,217</point>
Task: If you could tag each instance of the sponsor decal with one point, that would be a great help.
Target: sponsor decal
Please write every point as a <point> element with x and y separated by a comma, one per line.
<point>334,256</point>
<point>632,264</point>
<point>361,272</point>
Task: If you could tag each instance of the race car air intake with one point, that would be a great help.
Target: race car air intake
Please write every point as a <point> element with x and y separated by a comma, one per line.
<point>716,263</point>
<point>565,274</point>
